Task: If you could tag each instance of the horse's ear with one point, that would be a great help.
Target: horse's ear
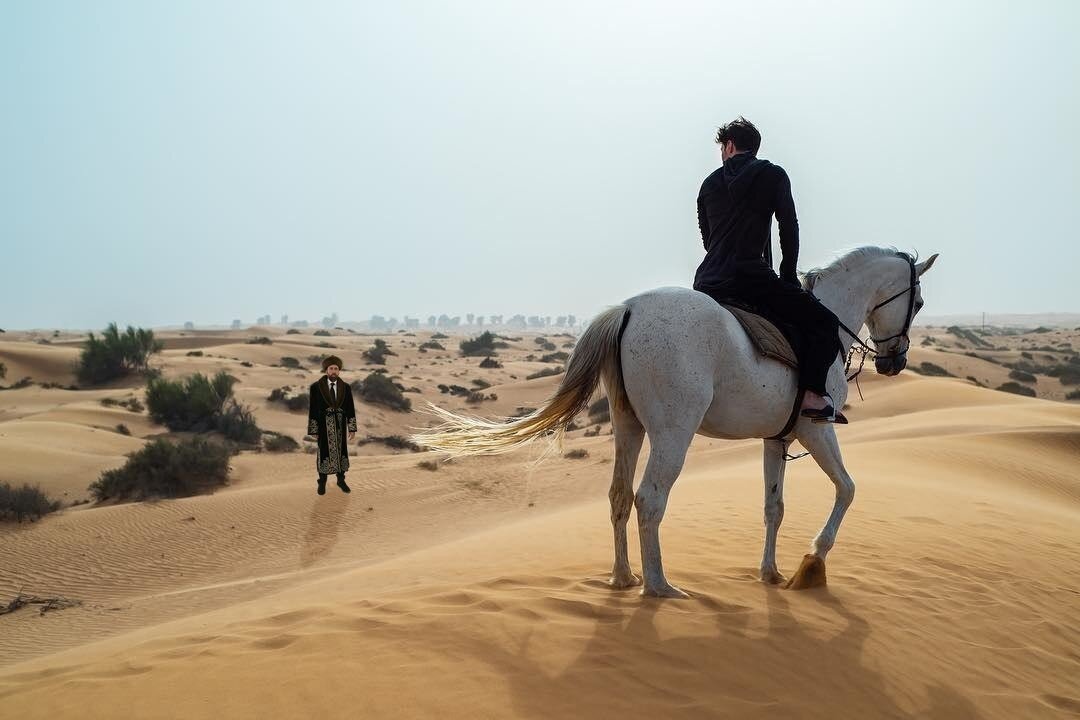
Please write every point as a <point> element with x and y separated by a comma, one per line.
<point>925,265</point>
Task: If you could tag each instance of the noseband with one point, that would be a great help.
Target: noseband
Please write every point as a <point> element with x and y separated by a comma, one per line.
<point>910,315</point>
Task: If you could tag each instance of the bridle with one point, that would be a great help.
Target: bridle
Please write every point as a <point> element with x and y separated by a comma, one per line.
<point>866,349</point>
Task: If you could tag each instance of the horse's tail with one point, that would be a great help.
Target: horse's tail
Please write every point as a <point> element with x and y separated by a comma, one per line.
<point>596,356</point>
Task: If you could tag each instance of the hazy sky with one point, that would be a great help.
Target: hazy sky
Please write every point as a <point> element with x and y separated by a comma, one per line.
<point>205,161</point>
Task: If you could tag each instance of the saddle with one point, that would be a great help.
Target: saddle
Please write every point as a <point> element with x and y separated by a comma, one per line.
<point>764,334</point>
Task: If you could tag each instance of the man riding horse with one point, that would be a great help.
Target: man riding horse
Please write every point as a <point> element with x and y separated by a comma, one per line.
<point>735,209</point>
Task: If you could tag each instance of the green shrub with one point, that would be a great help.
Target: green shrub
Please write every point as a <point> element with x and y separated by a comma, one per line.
<point>246,363</point>
<point>123,429</point>
<point>116,355</point>
<point>600,411</point>
<point>439,336</point>
<point>490,363</point>
<point>322,333</point>
<point>24,503</point>
<point>431,345</point>
<point>164,469</point>
<point>378,389</point>
<point>292,331</point>
<point>1073,395</point>
<point>3,371</point>
<point>554,357</point>
<point>546,372</point>
<point>577,454</point>
<point>201,404</point>
<point>1017,388</point>
<point>276,442</point>
<point>480,384</point>
<point>237,423</point>
<point>378,352</point>
<point>929,368</point>
<point>429,465</point>
<point>1022,376</point>
<point>195,353</point>
<point>260,340</point>
<point>291,363</point>
<point>483,344</point>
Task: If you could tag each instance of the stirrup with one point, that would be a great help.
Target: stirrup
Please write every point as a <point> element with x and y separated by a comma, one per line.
<point>827,414</point>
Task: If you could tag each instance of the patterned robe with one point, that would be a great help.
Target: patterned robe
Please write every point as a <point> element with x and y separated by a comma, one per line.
<point>328,422</point>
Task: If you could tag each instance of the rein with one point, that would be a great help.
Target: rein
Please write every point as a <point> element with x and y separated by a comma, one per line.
<point>864,349</point>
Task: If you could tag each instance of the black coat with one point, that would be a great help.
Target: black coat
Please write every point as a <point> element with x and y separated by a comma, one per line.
<point>735,210</point>
<point>329,421</point>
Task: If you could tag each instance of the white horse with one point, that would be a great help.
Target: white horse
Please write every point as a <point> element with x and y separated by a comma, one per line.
<point>675,363</point>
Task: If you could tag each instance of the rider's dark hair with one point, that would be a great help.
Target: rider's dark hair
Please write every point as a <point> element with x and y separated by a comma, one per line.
<point>741,132</point>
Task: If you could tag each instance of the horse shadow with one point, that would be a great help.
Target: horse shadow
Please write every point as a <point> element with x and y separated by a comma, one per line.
<point>324,527</point>
<point>732,665</point>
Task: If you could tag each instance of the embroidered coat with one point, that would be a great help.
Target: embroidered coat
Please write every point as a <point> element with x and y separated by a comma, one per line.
<point>328,422</point>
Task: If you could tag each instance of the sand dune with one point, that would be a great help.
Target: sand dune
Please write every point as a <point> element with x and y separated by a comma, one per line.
<point>478,590</point>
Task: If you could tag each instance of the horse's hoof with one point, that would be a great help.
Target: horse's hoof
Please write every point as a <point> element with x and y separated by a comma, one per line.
<point>621,582</point>
<point>667,591</point>
<point>811,574</point>
<point>772,577</point>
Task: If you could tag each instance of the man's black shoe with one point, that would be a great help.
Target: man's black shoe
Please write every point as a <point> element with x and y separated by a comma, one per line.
<point>341,484</point>
<point>322,486</point>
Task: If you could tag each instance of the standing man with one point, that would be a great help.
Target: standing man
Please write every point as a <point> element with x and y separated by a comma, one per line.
<point>735,210</point>
<point>330,414</point>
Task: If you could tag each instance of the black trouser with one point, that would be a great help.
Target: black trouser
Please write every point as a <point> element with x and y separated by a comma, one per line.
<point>322,478</point>
<point>811,328</point>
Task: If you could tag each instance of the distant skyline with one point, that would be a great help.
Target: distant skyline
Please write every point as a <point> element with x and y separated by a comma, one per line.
<point>202,162</point>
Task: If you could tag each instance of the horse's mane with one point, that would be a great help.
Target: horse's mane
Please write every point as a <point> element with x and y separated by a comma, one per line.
<point>851,258</point>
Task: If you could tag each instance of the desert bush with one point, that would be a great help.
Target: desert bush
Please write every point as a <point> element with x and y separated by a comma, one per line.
<point>247,364</point>
<point>201,404</point>
<point>164,469</point>
<point>294,403</point>
<point>116,355</point>
<point>260,340</point>
<point>195,353</point>
<point>965,334</point>
<point>429,465</point>
<point>577,454</point>
<point>548,346</point>
<point>480,383</point>
<point>276,442</point>
<point>439,336</point>
<point>25,503</point>
<point>975,380</point>
<point>1073,395</point>
<point>546,372</point>
<point>1022,376</point>
<point>490,363</point>
<point>929,368</point>
<point>1017,388</point>
<point>3,371</point>
<point>454,390</point>
<point>559,356</point>
<point>123,429</point>
<point>486,343</point>
<point>378,352</point>
<point>431,345</point>
<point>330,346</point>
<point>291,363</point>
<point>523,411</point>
<point>600,411</point>
<point>237,423</point>
<point>378,389</point>
<point>322,333</point>
<point>292,331</point>
<point>397,442</point>
<point>477,397</point>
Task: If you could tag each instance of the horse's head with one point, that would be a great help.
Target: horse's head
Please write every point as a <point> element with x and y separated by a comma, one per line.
<point>898,300</point>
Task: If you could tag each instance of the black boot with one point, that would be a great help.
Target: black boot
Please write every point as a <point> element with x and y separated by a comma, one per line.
<point>322,484</point>
<point>341,484</point>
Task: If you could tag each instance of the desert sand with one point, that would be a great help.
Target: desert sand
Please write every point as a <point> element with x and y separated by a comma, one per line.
<point>478,590</point>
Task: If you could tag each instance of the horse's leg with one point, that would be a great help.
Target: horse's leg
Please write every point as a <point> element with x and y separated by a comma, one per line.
<point>820,440</point>
<point>666,456</point>
<point>774,507</point>
<point>629,435</point>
